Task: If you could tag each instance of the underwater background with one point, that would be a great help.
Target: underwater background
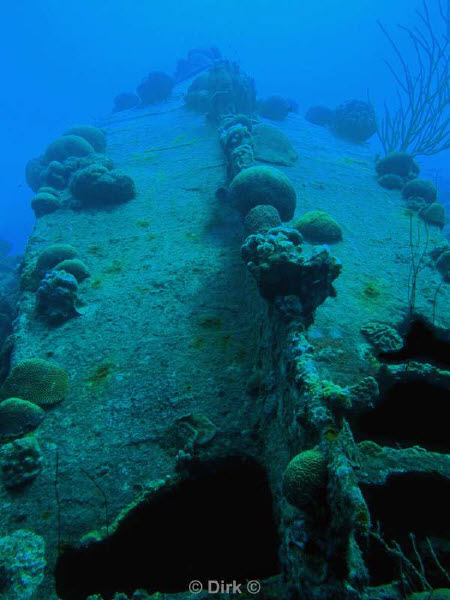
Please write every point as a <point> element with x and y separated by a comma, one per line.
<point>224,292</point>
<point>63,63</point>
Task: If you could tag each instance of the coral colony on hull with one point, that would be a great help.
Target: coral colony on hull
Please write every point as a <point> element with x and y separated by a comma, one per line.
<point>226,356</point>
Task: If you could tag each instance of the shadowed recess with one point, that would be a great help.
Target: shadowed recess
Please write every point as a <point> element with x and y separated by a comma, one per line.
<point>423,343</point>
<point>409,414</point>
<point>407,503</point>
<point>218,524</point>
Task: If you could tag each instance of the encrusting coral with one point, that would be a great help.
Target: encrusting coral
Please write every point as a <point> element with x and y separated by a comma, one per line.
<point>271,145</point>
<point>23,562</point>
<point>56,297</point>
<point>383,337</point>
<point>21,461</point>
<point>276,261</point>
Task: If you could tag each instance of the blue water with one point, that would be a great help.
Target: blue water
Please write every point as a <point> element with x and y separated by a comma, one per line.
<point>63,63</point>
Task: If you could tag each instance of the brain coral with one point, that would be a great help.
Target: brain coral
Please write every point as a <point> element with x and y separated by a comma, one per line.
<point>52,255</point>
<point>262,218</point>
<point>304,478</point>
<point>18,417</point>
<point>93,135</point>
<point>67,145</point>
<point>97,186</point>
<point>383,337</point>
<point>37,381</point>
<point>280,267</point>
<point>263,185</point>
<point>318,227</point>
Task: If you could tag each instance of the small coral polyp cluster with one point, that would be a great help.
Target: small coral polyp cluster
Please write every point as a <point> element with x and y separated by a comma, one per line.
<point>157,86</point>
<point>31,387</point>
<point>276,108</point>
<point>399,171</point>
<point>74,172</point>
<point>222,90</point>
<point>441,258</point>
<point>302,429</point>
<point>354,120</point>
<point>264,196</point>
<point>55,275</point>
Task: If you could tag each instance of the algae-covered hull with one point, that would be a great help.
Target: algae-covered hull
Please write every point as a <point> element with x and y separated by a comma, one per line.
<point>190,392</point>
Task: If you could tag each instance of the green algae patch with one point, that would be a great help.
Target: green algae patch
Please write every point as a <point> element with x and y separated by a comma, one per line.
<point>192,237</point>
<point>373,290</point>
<point>101,374</point>
<point>143,158</point>
<point>197,342</point>
<point>95,250</point>
<point>210,321</point>
<point>220,343</point>
<point>114,268</point>
<point>97,283</point>
<point>348,160</point>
